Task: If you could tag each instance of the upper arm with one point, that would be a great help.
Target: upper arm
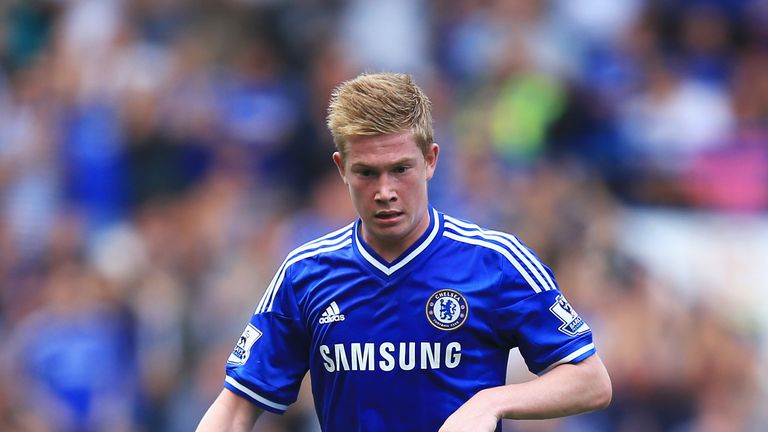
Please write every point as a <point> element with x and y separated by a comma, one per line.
<point>543,325</point>
<point>229,413</point>
<point>270,358</point>
<point>596,389</point>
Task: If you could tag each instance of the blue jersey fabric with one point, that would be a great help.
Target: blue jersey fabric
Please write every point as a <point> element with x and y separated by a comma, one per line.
<point>399,346</point>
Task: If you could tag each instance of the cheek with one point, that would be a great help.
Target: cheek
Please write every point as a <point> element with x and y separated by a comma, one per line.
<point>357,192</point>
<point>416,186</point>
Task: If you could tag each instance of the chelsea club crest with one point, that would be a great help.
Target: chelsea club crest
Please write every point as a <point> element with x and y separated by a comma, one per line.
<point>447,309</point>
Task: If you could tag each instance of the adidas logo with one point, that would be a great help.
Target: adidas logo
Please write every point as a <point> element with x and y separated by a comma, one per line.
<point>331,314</point>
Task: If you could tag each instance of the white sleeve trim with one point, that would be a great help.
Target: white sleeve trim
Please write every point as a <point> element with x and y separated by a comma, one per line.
<point>569,357</point>
<point>254,395</point>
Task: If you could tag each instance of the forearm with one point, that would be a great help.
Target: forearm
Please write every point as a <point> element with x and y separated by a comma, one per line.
<point>566,390</point>
<point>229,413</point>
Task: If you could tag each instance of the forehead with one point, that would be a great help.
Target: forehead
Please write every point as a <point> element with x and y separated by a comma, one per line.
<point>382,149</point>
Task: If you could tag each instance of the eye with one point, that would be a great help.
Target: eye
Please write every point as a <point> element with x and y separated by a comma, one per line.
<point>401,169</point>
<point>365,173</point>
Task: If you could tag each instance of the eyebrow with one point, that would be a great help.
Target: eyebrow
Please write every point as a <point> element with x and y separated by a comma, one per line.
<point>403,161</point>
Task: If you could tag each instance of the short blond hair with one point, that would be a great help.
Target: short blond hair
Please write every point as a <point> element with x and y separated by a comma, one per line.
<point>377,104</point>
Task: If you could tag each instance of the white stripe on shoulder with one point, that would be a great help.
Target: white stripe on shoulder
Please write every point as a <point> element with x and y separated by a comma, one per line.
<point>521,252</point>
<point>255,396</point>
<point>329,235</point>
<point>321,241</point>
<point>326,240</point>
<point>568,358</point>
<point>276,287</point>
<point>497,248</point>
<point>527,253</point>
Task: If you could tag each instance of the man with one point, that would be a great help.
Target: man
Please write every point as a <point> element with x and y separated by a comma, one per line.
<point>405,318</point>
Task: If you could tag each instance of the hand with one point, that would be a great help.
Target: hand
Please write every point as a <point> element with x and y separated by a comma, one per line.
<point>478,414</point>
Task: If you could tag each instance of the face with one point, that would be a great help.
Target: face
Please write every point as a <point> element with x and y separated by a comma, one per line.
<point>387,179</point>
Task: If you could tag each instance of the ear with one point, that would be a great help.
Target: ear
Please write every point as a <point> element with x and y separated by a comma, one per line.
<point>431,159</point>
<point>340,166</point>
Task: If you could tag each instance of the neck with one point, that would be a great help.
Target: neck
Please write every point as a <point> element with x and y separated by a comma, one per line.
<point>391,248</point>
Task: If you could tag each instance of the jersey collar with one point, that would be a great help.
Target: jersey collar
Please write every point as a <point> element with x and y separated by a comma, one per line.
<point>409,255</point>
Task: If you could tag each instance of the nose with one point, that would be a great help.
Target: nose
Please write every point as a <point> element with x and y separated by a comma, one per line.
<point>385,190</point>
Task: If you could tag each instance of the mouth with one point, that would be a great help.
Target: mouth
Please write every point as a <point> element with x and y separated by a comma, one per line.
<point>387,215</point>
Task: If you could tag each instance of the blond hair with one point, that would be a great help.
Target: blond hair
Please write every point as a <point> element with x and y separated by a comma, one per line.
<point>377,104</point>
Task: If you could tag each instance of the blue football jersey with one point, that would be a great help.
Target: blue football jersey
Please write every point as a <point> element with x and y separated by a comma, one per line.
<point>399,346</point>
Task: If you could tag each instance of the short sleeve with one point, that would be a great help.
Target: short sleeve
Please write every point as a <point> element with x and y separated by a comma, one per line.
<point>544,325</point>
<point>270,358</point>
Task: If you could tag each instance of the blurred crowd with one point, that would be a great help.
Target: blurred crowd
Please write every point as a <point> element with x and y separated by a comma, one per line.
<point>158,158</point>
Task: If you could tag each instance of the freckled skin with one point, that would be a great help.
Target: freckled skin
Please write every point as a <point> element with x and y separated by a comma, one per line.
<point>387,179</point>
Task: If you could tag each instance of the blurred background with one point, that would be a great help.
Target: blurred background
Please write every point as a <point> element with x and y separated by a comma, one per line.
<point>158,158</point>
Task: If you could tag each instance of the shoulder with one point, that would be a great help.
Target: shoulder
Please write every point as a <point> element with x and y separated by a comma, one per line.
<point>327,244</point>
<point>467,232</point>
<point>514,256</point>
<point>303,262</point>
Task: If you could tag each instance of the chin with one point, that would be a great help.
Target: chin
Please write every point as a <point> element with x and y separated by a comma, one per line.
<point>389,234</point>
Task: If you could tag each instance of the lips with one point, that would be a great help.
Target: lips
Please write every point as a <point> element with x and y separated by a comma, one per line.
<point>387,215</point>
